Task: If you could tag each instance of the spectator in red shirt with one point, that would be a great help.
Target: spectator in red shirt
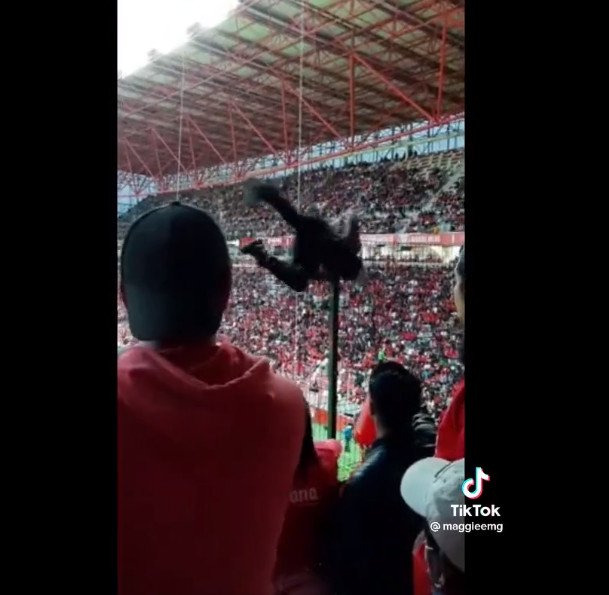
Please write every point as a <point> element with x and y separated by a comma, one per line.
<point>298,569</point>
<point>451,431</point>
<point>208,436</point>
<point>450,444</point>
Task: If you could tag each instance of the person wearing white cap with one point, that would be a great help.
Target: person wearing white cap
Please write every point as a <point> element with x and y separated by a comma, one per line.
<point>431,487</point>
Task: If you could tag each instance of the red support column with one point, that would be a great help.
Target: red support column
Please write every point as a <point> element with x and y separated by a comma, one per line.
<point>132,149</point>
<point>232,132</point>
<point>352,97</point>
<point>156,153</point>
<point>204,137</point>
<point>285,121</point>
<point>128,159</point>
<point>408,100</point>
<point>315,112</point>
<point>441,71</point>
<point>195,169</point>
<point>256,131</point>
<point>191,146</point>
<point>180,166</point>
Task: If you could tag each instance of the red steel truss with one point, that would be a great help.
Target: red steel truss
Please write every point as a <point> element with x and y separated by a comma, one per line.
<point>366,65</point>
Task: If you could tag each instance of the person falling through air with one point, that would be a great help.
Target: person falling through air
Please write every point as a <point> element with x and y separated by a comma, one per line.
<point>318,251</point>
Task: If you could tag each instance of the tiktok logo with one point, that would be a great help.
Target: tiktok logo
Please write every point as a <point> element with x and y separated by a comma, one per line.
<point>472,488</point>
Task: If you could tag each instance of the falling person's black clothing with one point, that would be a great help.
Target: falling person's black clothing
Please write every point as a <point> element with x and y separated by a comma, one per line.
<point>318,252</point>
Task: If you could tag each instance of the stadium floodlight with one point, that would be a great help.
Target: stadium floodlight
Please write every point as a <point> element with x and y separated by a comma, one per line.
<point>164,25</point>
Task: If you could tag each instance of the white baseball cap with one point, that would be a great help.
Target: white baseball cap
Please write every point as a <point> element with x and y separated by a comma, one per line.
<point>430,487</point>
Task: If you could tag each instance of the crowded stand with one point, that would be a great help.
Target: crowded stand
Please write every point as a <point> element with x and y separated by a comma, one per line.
<point>398,335</point>
<point>399,372</point>
<point>402,312</point>
<point>447,211</point>
<point>419,194</point>
<point>290,410</point>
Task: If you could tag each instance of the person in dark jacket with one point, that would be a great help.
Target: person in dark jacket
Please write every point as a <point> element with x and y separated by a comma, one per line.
<point>375,531</point>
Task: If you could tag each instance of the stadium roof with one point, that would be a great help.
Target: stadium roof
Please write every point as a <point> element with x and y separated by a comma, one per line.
<point>367,66</point>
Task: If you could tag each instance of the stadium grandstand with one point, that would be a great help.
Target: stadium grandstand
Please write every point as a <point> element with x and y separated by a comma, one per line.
<point>351,106</point>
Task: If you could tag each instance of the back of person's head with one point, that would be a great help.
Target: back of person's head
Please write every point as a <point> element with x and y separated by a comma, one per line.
<point>395,398</point>
<point>175,275</point>
<point>388,366</point>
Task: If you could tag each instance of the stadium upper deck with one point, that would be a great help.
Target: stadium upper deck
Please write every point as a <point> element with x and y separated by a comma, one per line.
<point>235,90</point>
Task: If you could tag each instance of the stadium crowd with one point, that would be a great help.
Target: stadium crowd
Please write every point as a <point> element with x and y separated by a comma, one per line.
<point>221,488</point>
<point>202,424</point>
<point>402,313</point>
<point>387,196</point>
<point>409,319</point>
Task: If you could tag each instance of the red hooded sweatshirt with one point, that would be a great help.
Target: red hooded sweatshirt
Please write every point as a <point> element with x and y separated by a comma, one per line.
<point>313,494</point>
<point>450,444</point>
<point>208,442</point>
